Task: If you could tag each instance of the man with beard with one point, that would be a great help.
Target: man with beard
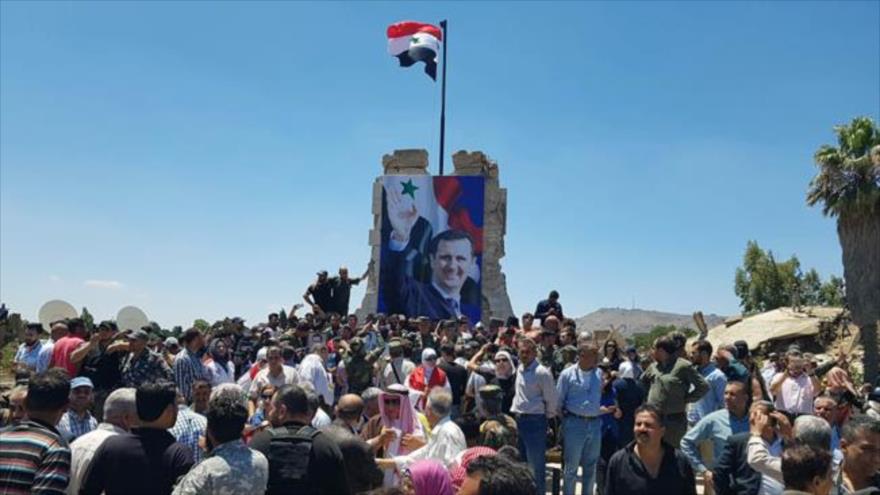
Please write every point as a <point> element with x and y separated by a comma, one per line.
<point>319,295</point>
<point>28,354</point>
<point>649,465</point>
<point>301,458</point>
<point>101,360</point>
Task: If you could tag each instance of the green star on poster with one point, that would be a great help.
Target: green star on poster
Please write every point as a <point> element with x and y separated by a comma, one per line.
<point>409,188</point>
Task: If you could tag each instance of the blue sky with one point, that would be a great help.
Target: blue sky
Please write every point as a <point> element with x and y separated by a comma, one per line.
<point>204,159</point>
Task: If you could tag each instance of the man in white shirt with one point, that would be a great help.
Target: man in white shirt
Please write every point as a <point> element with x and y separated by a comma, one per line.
<point>312,369</point>
<point>276,373</point>
<point>120,414</point>
<point>398,368</point>
<point>447,439</point>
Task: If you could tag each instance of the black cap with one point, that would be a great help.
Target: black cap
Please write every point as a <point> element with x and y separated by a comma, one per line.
<point>108,325</point>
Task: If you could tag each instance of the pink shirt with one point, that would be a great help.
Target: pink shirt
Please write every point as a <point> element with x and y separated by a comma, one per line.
<point>62,351</point>
<point>796,395</point>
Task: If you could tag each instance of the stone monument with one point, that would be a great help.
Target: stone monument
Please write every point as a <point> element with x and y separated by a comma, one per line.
<point>495,301</point>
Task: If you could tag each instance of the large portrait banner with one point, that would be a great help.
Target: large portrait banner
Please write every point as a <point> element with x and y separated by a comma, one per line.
<point>432,246</point>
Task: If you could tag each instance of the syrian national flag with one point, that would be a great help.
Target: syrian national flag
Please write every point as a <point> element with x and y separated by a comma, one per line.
<point>413,42</point>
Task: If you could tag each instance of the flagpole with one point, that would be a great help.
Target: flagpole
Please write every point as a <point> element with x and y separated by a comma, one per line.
<point>443,98</point>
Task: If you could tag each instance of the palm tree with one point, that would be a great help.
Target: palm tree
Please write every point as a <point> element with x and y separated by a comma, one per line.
<point>848,186</point>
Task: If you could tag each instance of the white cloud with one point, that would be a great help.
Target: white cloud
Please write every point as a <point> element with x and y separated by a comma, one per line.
<point>104,284</point>
<point>54,279</point>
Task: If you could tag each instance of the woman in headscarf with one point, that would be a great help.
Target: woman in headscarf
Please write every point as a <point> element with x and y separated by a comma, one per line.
<point>505,377</point>
<point>427,477</point>
<point>219,367</point>
<point>500,370</point>
<point>459,473</point>
<point>425,378</point>
<point>396,430</point>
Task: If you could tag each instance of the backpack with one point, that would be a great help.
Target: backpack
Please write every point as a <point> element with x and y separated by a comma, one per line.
<point>289,454</point>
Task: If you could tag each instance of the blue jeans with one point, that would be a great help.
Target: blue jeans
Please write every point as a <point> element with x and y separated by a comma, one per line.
<point>582,441</point>
<point>533,446</point>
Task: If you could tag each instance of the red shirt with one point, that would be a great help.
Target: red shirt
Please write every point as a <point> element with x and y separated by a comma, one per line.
<point>61,353</point>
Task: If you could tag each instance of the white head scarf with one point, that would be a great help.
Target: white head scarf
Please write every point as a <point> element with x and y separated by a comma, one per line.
<point>428,354</point>
<point>626,370</point>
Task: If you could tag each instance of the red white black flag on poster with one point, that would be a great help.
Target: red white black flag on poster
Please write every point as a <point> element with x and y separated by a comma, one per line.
<point>413,42</point>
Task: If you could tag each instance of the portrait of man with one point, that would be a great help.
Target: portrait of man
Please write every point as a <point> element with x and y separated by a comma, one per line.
<point>431,247</point>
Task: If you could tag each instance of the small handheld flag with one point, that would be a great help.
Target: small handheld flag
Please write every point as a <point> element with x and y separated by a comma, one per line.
<point>413,42</point>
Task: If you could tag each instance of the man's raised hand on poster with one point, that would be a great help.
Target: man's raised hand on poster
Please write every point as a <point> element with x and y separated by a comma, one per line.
<point>402,214</point>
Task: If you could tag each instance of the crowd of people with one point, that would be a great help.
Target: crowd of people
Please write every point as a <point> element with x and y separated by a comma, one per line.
<point>328,404</point>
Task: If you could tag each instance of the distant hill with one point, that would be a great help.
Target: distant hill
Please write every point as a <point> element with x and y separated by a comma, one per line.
<point>630,321</point>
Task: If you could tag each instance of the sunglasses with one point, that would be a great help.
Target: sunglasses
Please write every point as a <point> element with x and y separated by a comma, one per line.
<point>392,402</point>
<point>502,360</point>
<point>267,397</point>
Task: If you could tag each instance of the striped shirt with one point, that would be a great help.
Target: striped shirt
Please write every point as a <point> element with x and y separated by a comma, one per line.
<point>187,369</point>
<point>72,426</point>
<point>33,459</point>
<point>188,428</point>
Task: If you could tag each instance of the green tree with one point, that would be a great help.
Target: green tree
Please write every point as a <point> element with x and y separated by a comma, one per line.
<point>811,289</point>
<point>88,319</point>
<point>646,340</point>
<point>763,284</point>
<point>848,187</point>
<point>831,293</point>
<point>202,325</point>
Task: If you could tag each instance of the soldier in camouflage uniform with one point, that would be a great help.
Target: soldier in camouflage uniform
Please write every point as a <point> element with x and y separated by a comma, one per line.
<point>423,339</point>
<point>563,358</point>
<point>358,365</point>
<point>491,397</point>
<point>232,468</point>
<point>547,348</point>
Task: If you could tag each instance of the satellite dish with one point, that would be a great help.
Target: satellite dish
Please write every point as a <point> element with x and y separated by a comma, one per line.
<point>131,318</point>
<point>56,310</point>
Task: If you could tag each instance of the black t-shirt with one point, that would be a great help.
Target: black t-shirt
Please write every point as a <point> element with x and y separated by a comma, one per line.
<point>326,471</point>
<point>341,294</point>
<point>323,295</point>
<point>458,377</point>
<point>627,474</point>
<point>147,461</point>
<point>103,368</point>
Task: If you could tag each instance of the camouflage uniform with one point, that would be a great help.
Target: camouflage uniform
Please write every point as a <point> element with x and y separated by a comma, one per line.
<point>359,367</point>
<point>420,343</point>
<point>232,469</point>
<point>148,367</point>
<point>545,356</point>
<point>562,358</point>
